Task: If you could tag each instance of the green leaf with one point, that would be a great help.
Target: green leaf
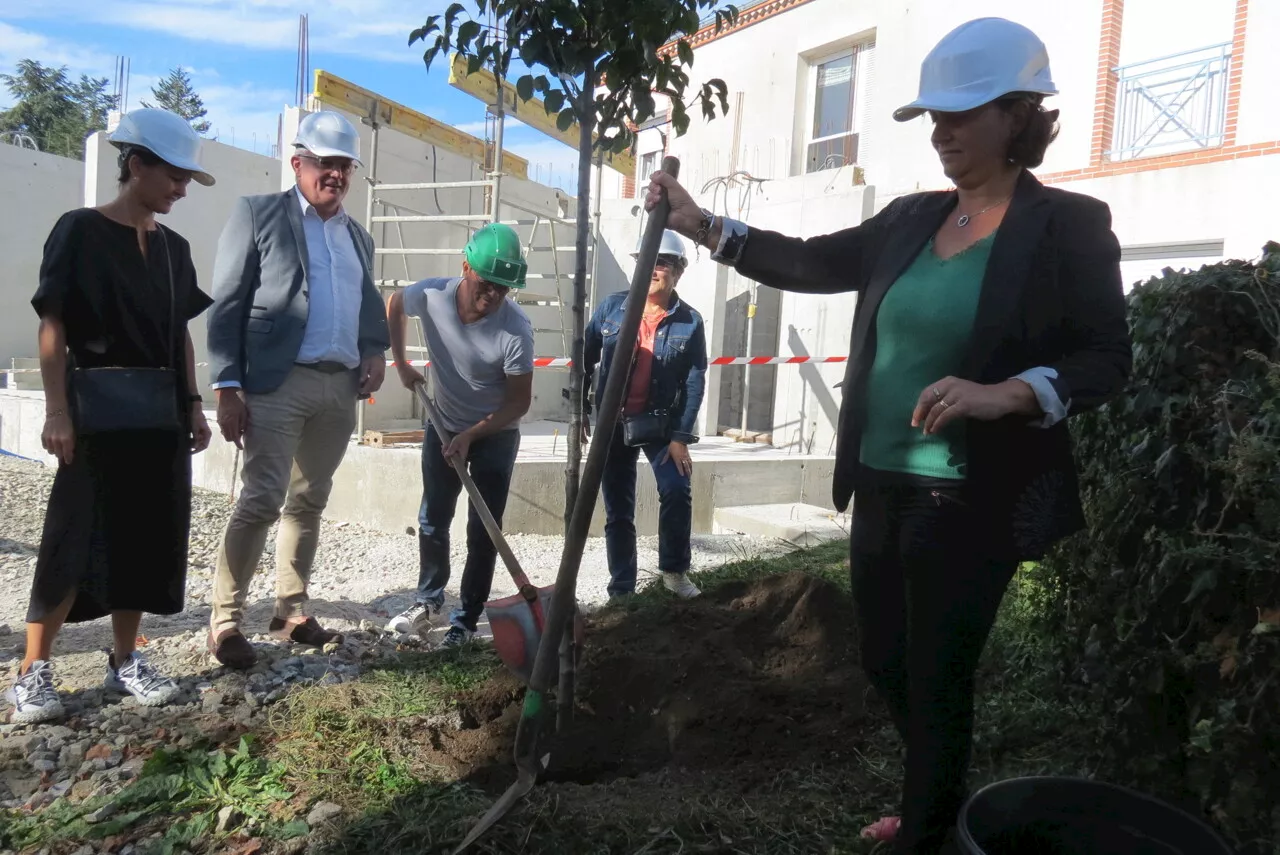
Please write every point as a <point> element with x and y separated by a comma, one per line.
<point>685,51</point>
<point>554,101</point>
<point>466,33</point>
<point>524,87</point>
<point>474,64</point>
<point>566,119</point>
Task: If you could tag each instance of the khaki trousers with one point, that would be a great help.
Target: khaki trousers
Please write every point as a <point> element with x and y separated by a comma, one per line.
<point>296,437</point>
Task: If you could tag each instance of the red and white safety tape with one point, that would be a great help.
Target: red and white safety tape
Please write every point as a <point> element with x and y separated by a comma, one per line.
<point>565,362</point>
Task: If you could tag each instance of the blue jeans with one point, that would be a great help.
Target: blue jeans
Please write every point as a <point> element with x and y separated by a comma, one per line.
<point>490,461</point>
<point>675,513</point>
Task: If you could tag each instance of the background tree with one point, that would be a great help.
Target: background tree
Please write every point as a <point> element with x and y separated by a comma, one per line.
<point>176,94</point>
<point>604,68</point>
<point>58,113</point>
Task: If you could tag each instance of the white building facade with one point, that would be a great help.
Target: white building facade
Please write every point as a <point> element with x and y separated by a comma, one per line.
<point>1169,113</point>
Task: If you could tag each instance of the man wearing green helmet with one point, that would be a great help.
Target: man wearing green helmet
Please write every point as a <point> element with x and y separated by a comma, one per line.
<point>481,347</point>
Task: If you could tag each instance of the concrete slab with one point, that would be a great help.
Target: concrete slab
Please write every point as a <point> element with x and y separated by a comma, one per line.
<point>798,523</point>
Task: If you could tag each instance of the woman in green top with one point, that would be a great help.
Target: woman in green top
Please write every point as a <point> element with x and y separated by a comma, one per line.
<point>987,315</point>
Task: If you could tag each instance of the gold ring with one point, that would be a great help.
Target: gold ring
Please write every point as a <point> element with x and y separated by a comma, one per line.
<point>944,403</point>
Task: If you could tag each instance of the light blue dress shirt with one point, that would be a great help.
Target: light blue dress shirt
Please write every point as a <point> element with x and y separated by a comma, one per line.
<point>334,282</point>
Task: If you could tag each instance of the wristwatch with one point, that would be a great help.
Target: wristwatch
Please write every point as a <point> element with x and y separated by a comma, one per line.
<point>704,227</point>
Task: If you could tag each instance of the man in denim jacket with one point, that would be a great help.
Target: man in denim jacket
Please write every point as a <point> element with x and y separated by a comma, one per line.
<point>664,393</point>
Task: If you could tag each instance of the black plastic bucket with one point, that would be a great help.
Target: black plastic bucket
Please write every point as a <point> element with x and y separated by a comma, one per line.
<point>1073,816</point>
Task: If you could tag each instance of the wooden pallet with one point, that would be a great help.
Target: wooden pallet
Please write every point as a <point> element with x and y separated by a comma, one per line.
<point>391,438</point>
<point>739,435</point>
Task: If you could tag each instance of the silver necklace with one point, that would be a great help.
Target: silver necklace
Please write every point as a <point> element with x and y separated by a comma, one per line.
<point>965,218</point>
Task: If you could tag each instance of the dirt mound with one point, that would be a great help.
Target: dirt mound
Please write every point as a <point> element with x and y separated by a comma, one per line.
<point>754,676</point>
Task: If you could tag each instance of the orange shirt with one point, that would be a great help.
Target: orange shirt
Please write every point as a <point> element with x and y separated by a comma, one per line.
<point>638,391</point>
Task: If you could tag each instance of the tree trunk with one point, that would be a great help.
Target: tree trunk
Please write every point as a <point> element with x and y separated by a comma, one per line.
<point>586,126</point>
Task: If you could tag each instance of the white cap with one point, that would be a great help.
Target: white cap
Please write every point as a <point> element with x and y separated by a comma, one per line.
<point>166,135</point>
<point>328,134</point>
<point>978,62</point>
<point>672,244</point>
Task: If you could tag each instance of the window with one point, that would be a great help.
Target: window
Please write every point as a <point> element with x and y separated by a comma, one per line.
<point>649,164</point>
<point>1173,77</point>
<point>838,98</point>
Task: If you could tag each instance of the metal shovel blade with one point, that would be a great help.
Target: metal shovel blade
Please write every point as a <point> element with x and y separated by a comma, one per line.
<point>524,783</point>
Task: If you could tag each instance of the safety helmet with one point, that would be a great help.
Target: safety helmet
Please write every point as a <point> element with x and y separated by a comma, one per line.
<point>328,134</point>
<point>978,62</point>
<point>673,245</point>
<point>166,135</point>
<point>493,252</point>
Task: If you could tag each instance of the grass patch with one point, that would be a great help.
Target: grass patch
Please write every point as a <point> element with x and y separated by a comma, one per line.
<point>348,743</point>
<point>179,793</point>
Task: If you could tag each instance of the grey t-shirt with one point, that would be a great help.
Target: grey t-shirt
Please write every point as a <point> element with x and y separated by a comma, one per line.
<point>469,362</point>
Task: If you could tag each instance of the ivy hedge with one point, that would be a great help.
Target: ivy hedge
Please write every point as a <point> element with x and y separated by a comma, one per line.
<point>1168,609</point>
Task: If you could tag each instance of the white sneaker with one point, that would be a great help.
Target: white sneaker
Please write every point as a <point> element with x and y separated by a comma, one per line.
<point>33,697</point>
<point>414,618</point>
<point>139,678</point>
<point>679,584</point>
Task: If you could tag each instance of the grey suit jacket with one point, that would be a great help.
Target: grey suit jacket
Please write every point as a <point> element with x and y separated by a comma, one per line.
<point>260,297</point>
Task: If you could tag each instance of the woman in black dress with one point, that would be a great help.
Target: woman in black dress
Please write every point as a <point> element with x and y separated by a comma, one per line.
<point>117,290</point>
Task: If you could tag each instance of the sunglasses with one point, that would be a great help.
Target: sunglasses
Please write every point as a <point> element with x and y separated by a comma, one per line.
<point>331,164</point>
<point>487,287</point>
<point>667,262</point>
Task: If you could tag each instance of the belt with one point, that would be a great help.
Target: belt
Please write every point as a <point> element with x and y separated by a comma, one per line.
<point>325,367</point>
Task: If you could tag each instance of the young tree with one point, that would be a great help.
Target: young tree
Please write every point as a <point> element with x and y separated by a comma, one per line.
<point>176,94</point>
<point>58,113</point>
<point>604,64</point>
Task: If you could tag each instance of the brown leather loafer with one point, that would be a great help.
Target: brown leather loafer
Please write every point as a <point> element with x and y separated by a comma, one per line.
<point>308,632</point>
<point>232,649</point>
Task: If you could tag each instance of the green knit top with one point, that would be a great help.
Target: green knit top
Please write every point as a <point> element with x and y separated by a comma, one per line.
<point>922,330</point>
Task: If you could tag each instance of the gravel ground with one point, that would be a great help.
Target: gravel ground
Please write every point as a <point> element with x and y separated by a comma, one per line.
<point>361,577</point>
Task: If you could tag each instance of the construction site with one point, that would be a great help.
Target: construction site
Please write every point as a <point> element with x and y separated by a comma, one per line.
<point>741,720</point>
<point>426,187</point>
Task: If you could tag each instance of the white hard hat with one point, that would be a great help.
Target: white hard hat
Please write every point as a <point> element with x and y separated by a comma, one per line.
<point>978,62</point>
<point>166,135</point>
<point>328,134</point>
<point>672,244</point>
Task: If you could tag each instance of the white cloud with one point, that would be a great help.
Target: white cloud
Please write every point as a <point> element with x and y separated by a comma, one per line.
<point>17,44</point>
<point>376,30</point>
<point>478,128</point>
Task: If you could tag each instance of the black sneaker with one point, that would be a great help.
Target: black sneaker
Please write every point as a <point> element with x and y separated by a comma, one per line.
<point>456,637</point>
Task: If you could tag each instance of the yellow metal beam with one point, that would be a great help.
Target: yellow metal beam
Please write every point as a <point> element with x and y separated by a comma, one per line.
<point>532,112</point>
<point>333,90</point>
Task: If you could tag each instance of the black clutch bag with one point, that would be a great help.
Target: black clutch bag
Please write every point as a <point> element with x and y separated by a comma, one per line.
<point>112,399</point>
<point>646,428</point>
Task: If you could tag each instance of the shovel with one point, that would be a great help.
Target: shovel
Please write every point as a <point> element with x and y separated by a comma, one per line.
<point>530,762</point>
<point>517,621</point>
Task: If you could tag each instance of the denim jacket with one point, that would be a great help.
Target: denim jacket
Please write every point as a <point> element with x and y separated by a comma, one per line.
<point>679,360</point>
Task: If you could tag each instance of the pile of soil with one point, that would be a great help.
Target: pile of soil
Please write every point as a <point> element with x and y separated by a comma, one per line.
<point>753,677</point>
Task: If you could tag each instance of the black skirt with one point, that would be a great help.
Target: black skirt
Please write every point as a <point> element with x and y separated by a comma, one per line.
<point>117,527</point>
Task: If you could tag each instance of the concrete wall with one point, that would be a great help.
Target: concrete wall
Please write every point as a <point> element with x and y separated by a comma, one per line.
<point>200,217</point>
<point>402,159</point>
<point>38,188</point>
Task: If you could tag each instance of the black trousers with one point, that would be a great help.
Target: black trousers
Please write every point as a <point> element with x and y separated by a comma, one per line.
<point>926,596</point>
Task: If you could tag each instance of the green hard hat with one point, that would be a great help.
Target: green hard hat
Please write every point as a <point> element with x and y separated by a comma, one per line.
<point>494,254</point>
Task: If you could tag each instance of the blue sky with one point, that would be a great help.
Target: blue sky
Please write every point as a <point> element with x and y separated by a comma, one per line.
<point>242,55</point>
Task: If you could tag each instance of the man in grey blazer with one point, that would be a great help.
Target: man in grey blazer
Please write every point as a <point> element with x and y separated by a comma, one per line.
<point>297,334</point>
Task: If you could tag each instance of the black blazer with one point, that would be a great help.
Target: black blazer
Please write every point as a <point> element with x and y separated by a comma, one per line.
<point>1052,296</point>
